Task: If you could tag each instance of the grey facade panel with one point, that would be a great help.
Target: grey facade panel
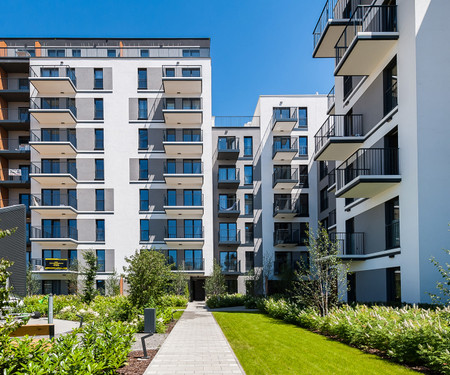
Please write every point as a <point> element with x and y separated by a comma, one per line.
<point>107,79</point>
<point>13,247</point>
<point>156,199</point>
<point>86,230</point>
<point>154,78</point>
<point>85,109</point>
<point>85,78</point>
<point>158,229</point>
<point>155,109</point>
<point>109,260</point>
<point>133,109</point>
<point>86,169</point>
<point>373,228</point>
<point>109,199</point>
<point>85,139</point>
<point>86,199</point>
<point>155,139</point>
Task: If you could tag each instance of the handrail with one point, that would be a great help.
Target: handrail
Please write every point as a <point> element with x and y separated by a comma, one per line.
<point>278,145</point>
<point>285,204</point>
<point>278,116</point>
<point>232,204</point>
<point>166,203</point>
<point>62,135</point>
<point>41,103</point>
<point>283,174</point>
<point>349,243</point>
<point>54,71</point>
<point>56,167</point>
<point>13,174</point>
<point>228,143</point>
<point>183,104</point>
<point>331,98</point>
<point>286,236</point>
<point>14,84</point>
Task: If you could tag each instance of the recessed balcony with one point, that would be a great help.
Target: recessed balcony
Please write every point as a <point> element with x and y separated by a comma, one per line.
<point>55,173</point>
<point>57,142</point>
<point>14,178</point>
<point>285,208</point>
<point>53,80</point>
<point>192,209</point>
<point>54,110</point>
<point>182,79</point>
<point>183,111</point>
<point>15,118</point>
<point>284,148</point>
<point>229,265</point>
<point>187,237</point>
<point>339,137</point>
<point>55,237</point>
<point>286,238</point>
<point>185,173</point>
<point>15,148</point>
<point>368,172</point>
<point>284,119</point>
<point>349,245</point>
<point>228,178</point>
<point>186,142</point>
<point>55,206</point>
<point>284,178</point>
<point>227,148</point>
<point>228,208</point>
<point>15,89</point>
<point>367,38</point>
<point>229,237</point>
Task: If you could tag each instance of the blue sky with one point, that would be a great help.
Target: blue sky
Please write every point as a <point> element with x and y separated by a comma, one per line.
<point>258,47</point>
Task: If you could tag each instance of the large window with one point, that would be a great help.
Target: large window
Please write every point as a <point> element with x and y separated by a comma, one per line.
<point>143,169</point>
<point>303,117</point>
<point>192,166</point>
<point>142,79</point>
<point>227,173</point>
<point>303,205</point>
<point>172,258</point>
<point>143,139</point>
<point>282,113</point>
<point>99,139</point>
<point>228,261</point>
<point>171,197</point>
<point>51,228</point>
<point>50,254</point>
<point>249,233</point>
<point>98,79</point>
<point>56,53</point>
<point>190,72</point>
<point>324,199</point>
<point>49,72</point>
<point>98,109</point>
<point>143,112</point>
<point>248,146</point>
<point>100,230</point>
<point>248,204</point>
<point>111,53</point>
<point>191,53</point>
<point>303,174</point>
<point>228,232</point>
<point>99,169</point>
<point>191,103</point>
<point>193,260</point>
<point>303,146</point>
<point>172,228</point>
<point>249,260</point>
<point>145,53</point>
<point>143,200</point>
<point>101,260</point>
<point>192,197</point>
<point>145,230</point>
<point>390,87</point>
<point>100,200</point>
<point>76,53</point>
<point>248,174</point>
<point>193,228</point>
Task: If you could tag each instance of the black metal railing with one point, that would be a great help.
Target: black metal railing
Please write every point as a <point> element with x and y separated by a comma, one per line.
<point>14,84</point>
<point>59,200</point>
<point>332,218</point>
<point>366,18</point>
<point>183,135</point>
<point>187,231</point>
<point>332,177</point>
<point>14,145</point>
<point>14,175</point>
<point>56,135</point>
<point>230,266</point>
<point>55,232</point>
<point>229,236</point>
<point>14,115</point>
<point>236,121</point>
<point>54,71</point>
<point>393,235</point>
<point>228,144</point>
<point>286,236</point>
<point>285,175</point>
<point>183,167</point>
<point>228,175</point>
<point>368,162</point>
<point>182,104</point>
<point>348,243</point>
<point>281,144</point>
<point>331,99</point>
<point>228,205</point>
<point>55,167</point>
<point>285,205</point>
<point>289,116</point>
<point>181,71</point>
<point>339,126</point>
<point>54,104</point>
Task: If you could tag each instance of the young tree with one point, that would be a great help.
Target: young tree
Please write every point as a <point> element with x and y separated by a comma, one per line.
<point>215,284</point>
<point>5,290</point>
<point>33,286</point>
<point>112,284</point>
<point>72,279</point>
<point>443,286</point>
<point>148,276</point>
<point>318,283</point>
<point>180,283</point>
<point>89,273</point>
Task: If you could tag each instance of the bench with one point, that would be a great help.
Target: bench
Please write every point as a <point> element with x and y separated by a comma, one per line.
<point>35,330</point>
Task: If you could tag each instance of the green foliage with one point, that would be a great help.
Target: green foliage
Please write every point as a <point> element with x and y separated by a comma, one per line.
<point>406,335</point>
<point>148,276</point>
<point>180,284</point>
<point>215,284</point>
<point>98,348</point>
<point>89,273</point>
<point>112,284</point>
<point>443,286</point>
<point>172,300</point>
<point>226,300</point>
<point>33,284</point>
<point>6,232</point>
<point>4,289</point>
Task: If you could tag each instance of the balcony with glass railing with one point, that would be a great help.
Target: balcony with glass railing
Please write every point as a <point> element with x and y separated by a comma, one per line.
<point>182,79</point>
<point>227,148</point>
<point>183,111</point>
<point>14,177</point>
<point>189,208</point>
<point>229,237</point>
<point>367,38</point>
<point>183,173</point>
<point>368,172</point>
<point>54,142</point>
<point>55,172</point>
<point>54,110</point>
<point>284,178</point>
<point>184,237</point>
<point>55,236</point>
<point>54,205</point>
<point>183,142</point>
<point>51,80</point>
<point>15,148</point>
<point>15,118</point>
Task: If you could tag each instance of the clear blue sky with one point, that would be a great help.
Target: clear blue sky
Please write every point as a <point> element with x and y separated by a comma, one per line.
<point>258,47</point>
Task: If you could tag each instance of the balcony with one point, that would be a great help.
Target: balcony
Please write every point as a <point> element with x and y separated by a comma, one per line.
<point>367,38</point>
<point>228,208</point>
<point>284,148</point>
<point>183,173</point>
<point>52,80</point>
<point>55,206</point>
<point>285,208</point>
<point>229,237</point>
<point>14,178</point>
<point>184,237</point>
<point>54,110</point>
<point>332,180</point>
<point>393,235</point>
<point>227,148</point>
<point>230,266</point>
<point>228,178</point>
<point>286,238</point>
<point>15,149</point>
<point>284,121</point>
<point>15,89</point>
<point>15,119</point>
<point>339,137</point>
<point>368,172</point>
<point>348,244</point>
<point>55,237</point>
<point>331,100</point>
<point>284,179</point>
<point>193,210</point>
<point>182,79</point>
<point>186,142</point>
<point>58,143</point>
<point>51,265</point>
<point>183,111</point>
<point>56,173</point>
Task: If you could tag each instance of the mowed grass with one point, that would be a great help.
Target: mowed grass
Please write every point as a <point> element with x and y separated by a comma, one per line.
<point>267,346</point>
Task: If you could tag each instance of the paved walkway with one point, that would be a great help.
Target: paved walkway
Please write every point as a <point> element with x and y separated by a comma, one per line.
<point>196,345</point>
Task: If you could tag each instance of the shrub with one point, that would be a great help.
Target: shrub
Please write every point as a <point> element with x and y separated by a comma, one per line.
<point>225,300</point>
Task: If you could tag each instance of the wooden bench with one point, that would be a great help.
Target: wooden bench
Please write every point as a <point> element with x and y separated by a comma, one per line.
<point>35,330</point>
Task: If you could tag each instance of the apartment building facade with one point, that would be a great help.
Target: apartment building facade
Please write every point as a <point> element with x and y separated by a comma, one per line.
<point>385,144</point>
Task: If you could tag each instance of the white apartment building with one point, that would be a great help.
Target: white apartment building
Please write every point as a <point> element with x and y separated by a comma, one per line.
<point>386,143</point>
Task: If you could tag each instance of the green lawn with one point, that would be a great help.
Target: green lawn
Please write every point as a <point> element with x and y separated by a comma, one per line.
<point>267,346</point>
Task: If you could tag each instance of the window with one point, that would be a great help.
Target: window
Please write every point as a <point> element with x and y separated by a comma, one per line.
<point>390,87</point>
<point>170,72</point>
<point>50,197</point>
<point>70,72</point>
<point>191,53</point>
<point>98,109</point>
<point>323,199</point>
<point>50,103</point>
<point>392,222</point>
<point>302,117</point>
<point>228,203</point>
<point>228,261</point>
<point>172,258</point>
<point>99,139</point>
<point>111,53</point>
<point>51,166</point>
<point>192,166</point>
<point>100,230</point>
<point>98,79</point>
<point>190,72</point>
<point>25,200</point>
<point>192,197</point>
<point>303,146</point>
<point>51,286</point>
<point>248,174</point>
<point>143,200</point>
<point>228,173</point>
<point>49,72</point>
<point>170,104</point>
<point>323,169</point>
<point>191,103</point>
<point>145,53</point>
<point>303,171</point>
<point>193,228</point>
<point>303,205</point>
<point>72,257</point>
<point>31,52</point>
<point>249,233</point>
<point>248,146</point>
<point>227,143</point>
<point>192,135</point>
<point>228,232</point>
<point>248,204</point>
<point>56,53</point>
<point>100,260</point>
<point>171,166</point>
<point>72,229</point>
<point>143,113</point>
<point>143,139</point>
<point>99,169</point>
<point>76,53</point>
<point>170,135</point>
<point>143,169</point>
<point>282,113</point>
<point>171,198</point>
<point>142,79</point>
<point>249,261</point>
<point>171,228</point>
<point>100,285</point>
<point>145,230</point>
<point>50,254</point>
<point>193,260</point>
<point>99,200</point>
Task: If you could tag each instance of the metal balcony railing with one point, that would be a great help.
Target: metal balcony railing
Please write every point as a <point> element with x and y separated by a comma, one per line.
<point>183,135</point>
<point>332,177</point>
<point>393,235</point>
<point>331,98</point>
<point>285,205</point>
<point>229,236</point>
<point>187,231</point>
<point>54,232</point>
<point>193,265</point>
<point>228,175</point>
<point>228,205</point>
<point>283,144</point>
<point>14,84</point>
<point>368,162</point>
<point>14,145</point>
<point>349,243</point>
<point>14,115</point>
<point>366,18</point>
<point>54,71</point>
<point>285,175</point>
<point>339,126</point>
<point>236,121</point>
<point>182,71</point>
<point>286,236</point>
<point>183,167</point>
<point>56,135</point>
<point>182,104</point>
<point>54,104</point>
<point>231,266</point>
<point>14,175</point>
<point>54,167</point>
<point>196,201</point>
<point>54,200</point>
<point>228,144</point>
